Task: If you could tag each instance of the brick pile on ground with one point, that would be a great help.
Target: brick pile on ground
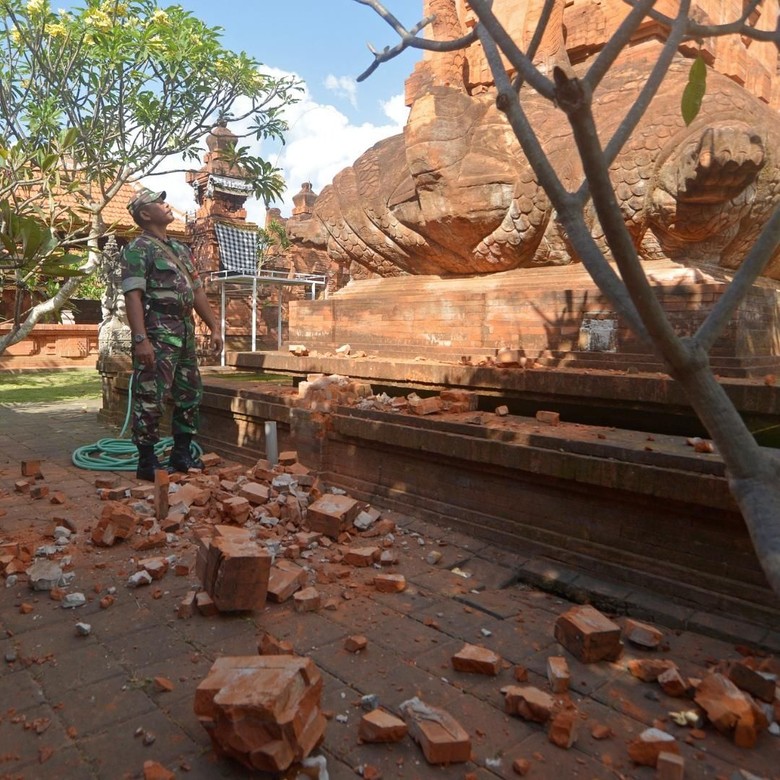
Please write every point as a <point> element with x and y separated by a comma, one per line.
<point>323,392</point>
<point>265,535</point>
<point>263,711</point>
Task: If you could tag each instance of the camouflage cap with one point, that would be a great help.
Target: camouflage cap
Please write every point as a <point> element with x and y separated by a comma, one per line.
<point>143,198</point>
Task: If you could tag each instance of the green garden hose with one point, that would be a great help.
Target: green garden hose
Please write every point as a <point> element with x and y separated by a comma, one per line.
<point>121,454</point>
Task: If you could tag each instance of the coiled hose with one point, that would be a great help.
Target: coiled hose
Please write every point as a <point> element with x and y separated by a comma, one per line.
<point>121,454</point>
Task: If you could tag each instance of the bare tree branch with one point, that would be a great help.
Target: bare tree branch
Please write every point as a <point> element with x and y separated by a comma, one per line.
<point>409,39</point>
<point>752,266</point>
<point>568,209</point>
<point>754,475</point>
<point>696,30</point>
<point>575,99</point>
<point>646,94</point>
<point>519,61</point>
<point>605,59</point>
<point>536,39</point>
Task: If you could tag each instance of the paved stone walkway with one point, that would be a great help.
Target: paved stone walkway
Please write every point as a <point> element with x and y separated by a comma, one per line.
<point>92,698</point>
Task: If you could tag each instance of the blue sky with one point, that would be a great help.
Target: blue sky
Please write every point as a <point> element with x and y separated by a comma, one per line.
<point>318,38</point>
<point>323,42</point>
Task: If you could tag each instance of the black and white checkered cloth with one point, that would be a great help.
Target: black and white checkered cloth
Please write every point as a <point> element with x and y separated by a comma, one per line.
<point>237,249</point>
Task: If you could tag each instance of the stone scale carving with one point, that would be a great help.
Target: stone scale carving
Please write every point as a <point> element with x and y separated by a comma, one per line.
<point>454,195</point>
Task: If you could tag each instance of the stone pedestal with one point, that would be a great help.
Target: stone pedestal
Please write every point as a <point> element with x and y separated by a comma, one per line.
<point>556,316</point>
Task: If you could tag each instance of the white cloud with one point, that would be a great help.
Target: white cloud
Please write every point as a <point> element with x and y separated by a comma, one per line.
<point>395,109</point>
<point>320,142</point>
<point>342,86</point>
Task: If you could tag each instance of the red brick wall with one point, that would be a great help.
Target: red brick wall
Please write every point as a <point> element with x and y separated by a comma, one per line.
<point>536,311</point>
<point>53,346</point>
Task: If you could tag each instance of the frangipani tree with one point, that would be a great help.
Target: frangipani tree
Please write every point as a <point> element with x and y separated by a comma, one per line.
<point>132,85</point>
<point>753,472</point>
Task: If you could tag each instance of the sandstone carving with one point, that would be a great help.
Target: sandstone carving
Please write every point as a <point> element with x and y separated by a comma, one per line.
<point>454,193</point>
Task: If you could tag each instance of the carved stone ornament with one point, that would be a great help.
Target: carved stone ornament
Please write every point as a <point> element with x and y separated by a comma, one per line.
<point>454,193</point>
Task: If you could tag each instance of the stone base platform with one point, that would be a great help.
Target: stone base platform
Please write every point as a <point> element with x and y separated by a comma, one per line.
<point>640,401</point>
<point>619,504</point>
<point>653,514</point>
<point>555,315</point>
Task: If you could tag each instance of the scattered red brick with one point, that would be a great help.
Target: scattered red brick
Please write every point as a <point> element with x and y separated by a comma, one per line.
<point>186,606</point>
<point>564,728</point>
<point>458,401</point>
<point>285,579</point>
<point>22,485</point>
<point>30,468</point>
<point>643,634</point>
<point>670,766</point>
<point>423,406</point>
<point>390,583</point>
<point>263,711</point>
<point>521,766</point>
<point>521,674</point>
<point>731,710</point>
<point>210,460</point>
<point>558,674</point>
<point>268,644</point>
<point>362,556</point>
<point>476,660</point>
<point>205,604</point>
<point>237,509</point>
<point>548,418</point>
<point>39,491</point>
<point>150,541</point>
<point>442,739</point>
<point>588,635</point>
<point>673,683</point>
<point>332,514</point>
<point>752,681</point>
<point>156,567</point>
<point>288,458</point>
<point>644,750</point>
<point>117,521</point>
<point>355,643</point>
<point>649,669</point>
<point>163,684</point>
<point>255,493</point>
<point>162,482</point>
<point>237,573</point>
<point>528,702</point>
<point>153,770</point>
<point>307,600</point>
<point>380,726</point>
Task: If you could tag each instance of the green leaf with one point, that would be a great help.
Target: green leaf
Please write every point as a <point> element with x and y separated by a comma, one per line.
<point>68,137</point>
<point>694,91</point>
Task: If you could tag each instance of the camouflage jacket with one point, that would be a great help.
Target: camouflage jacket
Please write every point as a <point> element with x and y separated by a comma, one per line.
<point>168,295</point>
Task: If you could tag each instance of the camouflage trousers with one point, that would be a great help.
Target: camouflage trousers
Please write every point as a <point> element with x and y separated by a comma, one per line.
<point>175,373</point>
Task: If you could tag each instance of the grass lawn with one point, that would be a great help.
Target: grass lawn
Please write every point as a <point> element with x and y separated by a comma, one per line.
<point>49,386</point>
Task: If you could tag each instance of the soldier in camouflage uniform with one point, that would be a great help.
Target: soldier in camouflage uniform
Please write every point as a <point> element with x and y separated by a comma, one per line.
<point>162,287</point>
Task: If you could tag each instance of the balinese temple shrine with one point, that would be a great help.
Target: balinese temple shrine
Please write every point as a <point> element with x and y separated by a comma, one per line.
<point>249,280</point>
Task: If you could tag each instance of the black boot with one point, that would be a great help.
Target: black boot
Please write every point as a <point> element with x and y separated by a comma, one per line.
<point>147,463</point>
<point>181,458</point>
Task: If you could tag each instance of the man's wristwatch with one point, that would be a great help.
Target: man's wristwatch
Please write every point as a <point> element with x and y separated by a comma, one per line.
<point>139,338</point>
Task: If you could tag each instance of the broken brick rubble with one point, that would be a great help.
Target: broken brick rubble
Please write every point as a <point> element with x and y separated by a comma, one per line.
<point>442,739</point>
<point>263,711</point>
